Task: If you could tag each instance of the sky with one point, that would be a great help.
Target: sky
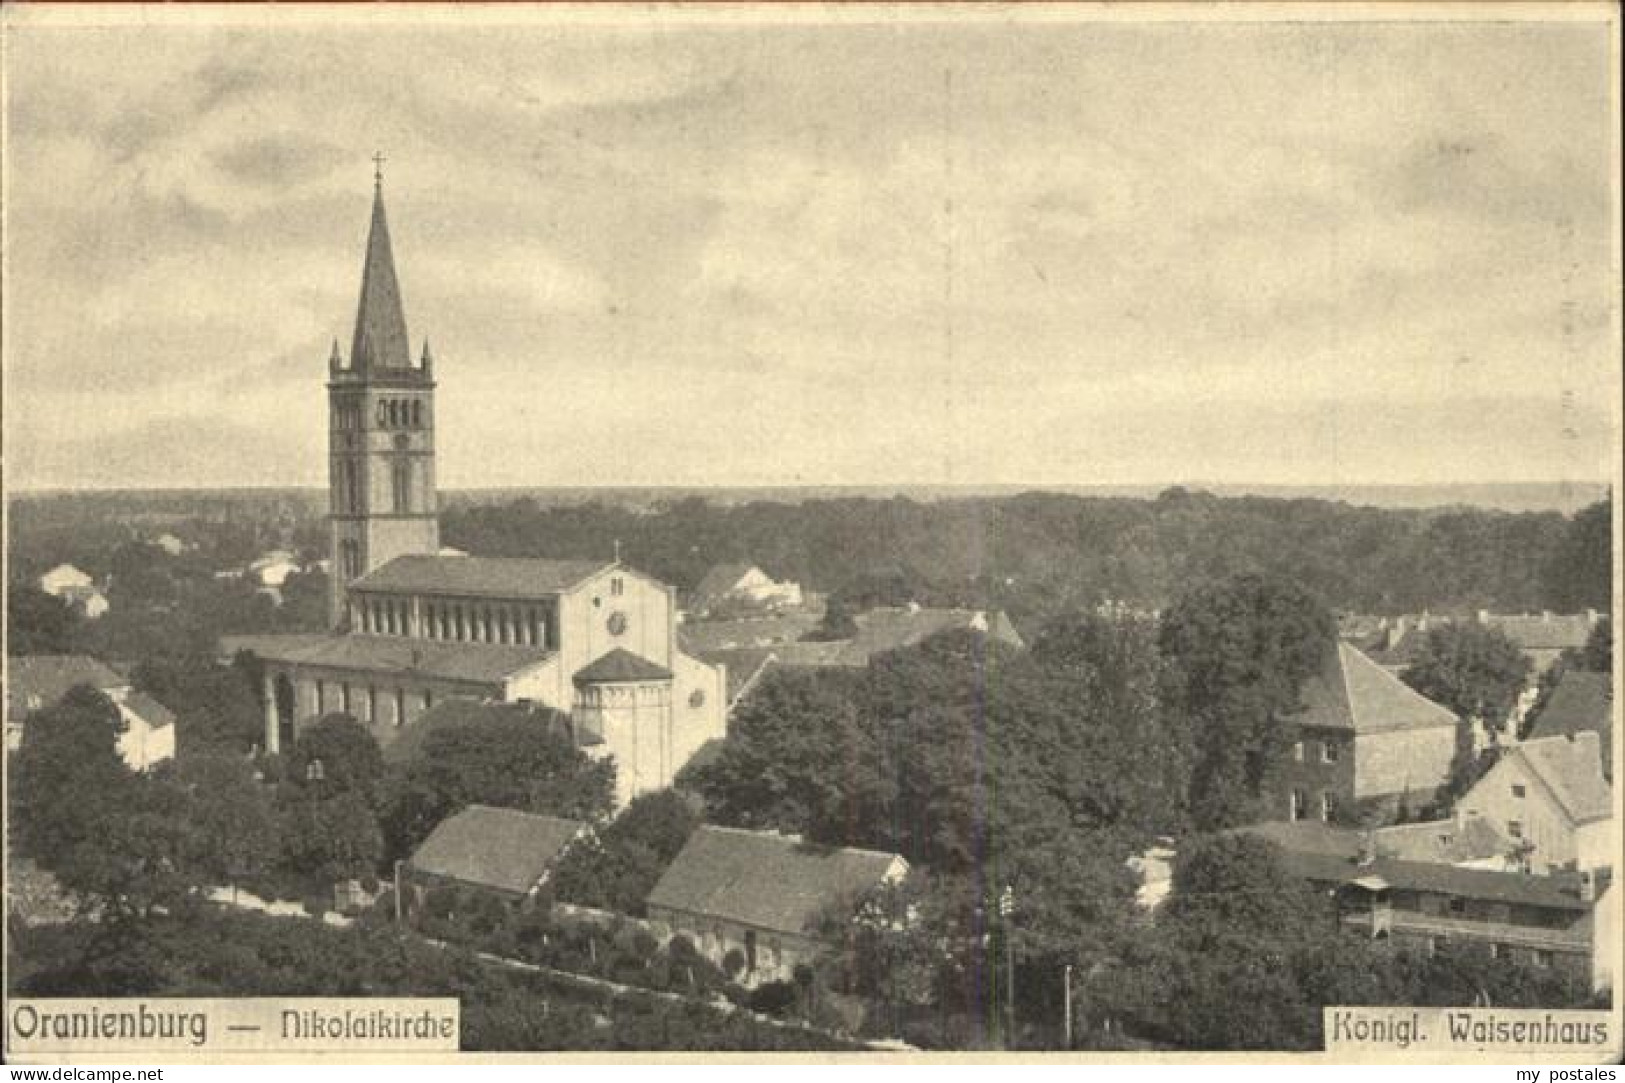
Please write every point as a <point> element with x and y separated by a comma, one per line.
<point>695,251</point>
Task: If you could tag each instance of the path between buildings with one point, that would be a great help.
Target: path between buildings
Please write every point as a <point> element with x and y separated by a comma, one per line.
<point>245,900</point>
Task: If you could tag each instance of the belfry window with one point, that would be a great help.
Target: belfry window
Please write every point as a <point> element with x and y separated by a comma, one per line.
<point>417,414</point>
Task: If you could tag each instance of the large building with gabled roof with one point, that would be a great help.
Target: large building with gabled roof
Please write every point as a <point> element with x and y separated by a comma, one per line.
<point>413,625</point>
<point>1365,744</point>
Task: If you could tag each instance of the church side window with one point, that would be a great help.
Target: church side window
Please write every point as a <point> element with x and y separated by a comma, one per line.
<point>417,414</point>
<point>401,484</point>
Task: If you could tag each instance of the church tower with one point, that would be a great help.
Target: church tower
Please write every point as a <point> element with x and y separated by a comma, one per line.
<point>381,430</point>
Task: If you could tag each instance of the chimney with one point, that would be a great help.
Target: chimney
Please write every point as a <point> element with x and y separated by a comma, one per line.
<point>1546,616</point>
<point>1591,616</point>
<point>1483,616</point>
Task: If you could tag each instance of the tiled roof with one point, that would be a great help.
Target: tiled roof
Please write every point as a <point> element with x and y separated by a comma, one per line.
<point>1320,865</point>
<point>408,740</point>
<point>1543,631</point>
<point>1354,693</point>
<point>486,577</point>
<point>494,847</point>
<point>149,710</point>
<point>1443,842</point>
<point>483,663</point>
<point>620,665</point>
<point>1582,702</point>
<point>767,881</point>
<point>1572,768</point>
<point>766,631</point>
<point>46,678</point>
<point>380,322</point>
<point>744,667</point>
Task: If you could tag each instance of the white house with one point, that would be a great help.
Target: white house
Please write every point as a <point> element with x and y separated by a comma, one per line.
<point>35,682</point>
<point>64,578</point>
<point>1549,795</point>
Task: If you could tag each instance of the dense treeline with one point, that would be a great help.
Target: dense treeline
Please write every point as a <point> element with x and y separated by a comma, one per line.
<point>1038,554</point>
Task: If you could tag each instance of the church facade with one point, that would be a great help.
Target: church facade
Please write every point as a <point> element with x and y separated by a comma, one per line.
<point>412,626</point>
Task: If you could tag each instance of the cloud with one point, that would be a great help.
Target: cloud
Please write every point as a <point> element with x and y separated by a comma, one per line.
<point>827,253</point>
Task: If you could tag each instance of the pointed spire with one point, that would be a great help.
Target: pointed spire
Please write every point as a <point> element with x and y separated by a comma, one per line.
<point>334,360</point>
<point>427,361</point>
<point>380,325</point>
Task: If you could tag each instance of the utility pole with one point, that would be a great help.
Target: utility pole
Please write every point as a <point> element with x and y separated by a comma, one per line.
<point>1066,1002</point>
<point>397,891</point>
<point>1007,910</point>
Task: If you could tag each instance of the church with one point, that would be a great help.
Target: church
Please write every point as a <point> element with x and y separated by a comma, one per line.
<point>413,625</point>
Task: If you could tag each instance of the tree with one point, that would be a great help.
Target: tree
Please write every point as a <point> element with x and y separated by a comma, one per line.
<point>618,869</point>
<point>234,815</point>
<point>68,777</point>
<point>1239,651</point>
<point>347,753</point>
<point>1474,670</point>
<point>1580,573</point>
<point>326,838</point>
<point>215,709</point>
<point>527,764</point>
<point>837,624</point>
<point>795,758</point>
<point>38,623</point>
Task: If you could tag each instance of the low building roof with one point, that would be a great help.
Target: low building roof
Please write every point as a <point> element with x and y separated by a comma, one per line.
<point>1571,767</point>
<point>477,663</point>
<point>744,667</point>
<point>1320,864</point>
<point>1439,842</point>
<point>892,628</point>
<point>1351,692</point>
<point>149,710</point>
<point>1543,631</point>
<point>618,666</point>
<point>39,680</point>
<point>767,881</point>
<point>485,577</point>
<point>503,849</point>
<point>1582,702</point>
<point>744,632</point>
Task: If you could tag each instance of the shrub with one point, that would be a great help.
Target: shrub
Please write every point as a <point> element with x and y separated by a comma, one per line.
<point>733,963</point>
<point>774,998</point>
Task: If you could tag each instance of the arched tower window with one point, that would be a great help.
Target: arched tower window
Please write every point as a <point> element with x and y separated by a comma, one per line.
<point>417,414</point>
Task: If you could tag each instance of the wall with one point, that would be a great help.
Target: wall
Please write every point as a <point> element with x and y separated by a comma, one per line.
<point>777,954</point>
<point>1544,824</point>
<point>1398,761</point>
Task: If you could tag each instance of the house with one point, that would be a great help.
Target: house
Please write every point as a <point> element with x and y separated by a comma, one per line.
<point>1543,637</point>
<point>505,852</point>
<point>1582,702</point>
<point>34,682</point>
<point>1549,794</point>
<point>1366,743</point>
<point>1539,920</point>
<point>742,587</point>
<point>766,896</point>
<point>64,577</point>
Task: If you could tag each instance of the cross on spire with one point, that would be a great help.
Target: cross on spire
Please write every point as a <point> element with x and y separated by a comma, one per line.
<point>378,160</point>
